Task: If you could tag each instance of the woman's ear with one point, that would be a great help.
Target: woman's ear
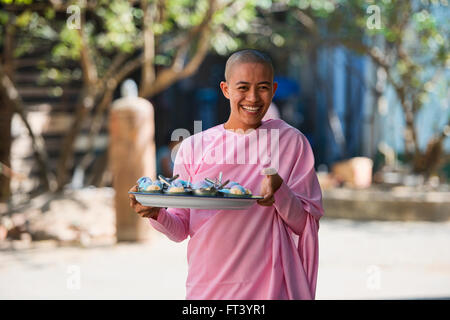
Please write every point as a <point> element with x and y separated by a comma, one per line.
<point>224,87</point>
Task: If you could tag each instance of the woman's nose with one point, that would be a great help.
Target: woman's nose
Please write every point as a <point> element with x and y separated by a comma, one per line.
<point>252,96</point>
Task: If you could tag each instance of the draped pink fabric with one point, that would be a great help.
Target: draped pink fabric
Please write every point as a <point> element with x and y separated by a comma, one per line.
<point>261,252</point>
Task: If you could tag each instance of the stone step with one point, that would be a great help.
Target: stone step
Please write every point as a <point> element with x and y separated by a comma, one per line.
<point>396,204</point>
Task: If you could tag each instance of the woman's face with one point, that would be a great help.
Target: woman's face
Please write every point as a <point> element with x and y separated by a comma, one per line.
<point>250,89</point>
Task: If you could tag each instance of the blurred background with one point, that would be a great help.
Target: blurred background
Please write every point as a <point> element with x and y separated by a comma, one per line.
<point>95,94</point>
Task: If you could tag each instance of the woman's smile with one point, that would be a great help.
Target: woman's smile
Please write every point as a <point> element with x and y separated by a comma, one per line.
<point>252,110</point>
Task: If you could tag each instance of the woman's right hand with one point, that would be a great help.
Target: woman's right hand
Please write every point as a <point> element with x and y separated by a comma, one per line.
<point>143,211</point>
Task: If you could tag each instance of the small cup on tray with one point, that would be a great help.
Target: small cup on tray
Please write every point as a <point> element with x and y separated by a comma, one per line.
<point>204,188</point>
<point>235,190</point>
<point>145,184</point>
<point>178,187</point>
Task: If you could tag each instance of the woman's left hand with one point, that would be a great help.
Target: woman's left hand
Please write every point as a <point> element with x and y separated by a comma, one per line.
<point>269,185</point>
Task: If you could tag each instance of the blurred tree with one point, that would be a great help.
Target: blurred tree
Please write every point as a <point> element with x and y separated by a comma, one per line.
<point>403,38</point>
<point>167,40</point>
<point>11,25</point>
<point>109,40</point>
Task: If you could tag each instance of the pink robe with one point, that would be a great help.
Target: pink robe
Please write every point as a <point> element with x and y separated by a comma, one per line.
<point>259,253</point>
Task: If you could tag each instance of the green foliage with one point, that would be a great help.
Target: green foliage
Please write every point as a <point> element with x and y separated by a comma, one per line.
<point>68,46</point>
<point>233,21</point>
<point>418,28</point>
<point>17,2</point>
<point>119,31</point>
<point>116,26</point>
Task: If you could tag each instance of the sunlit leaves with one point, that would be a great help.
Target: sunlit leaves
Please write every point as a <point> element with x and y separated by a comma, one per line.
<point>186,13</point>
<point>278,40</point>
<point>69,46</point>
<point>237,17</point>
<point>162,60</point>
<point>424,20</point>
<point>119,28</point>
<point>49,13</point>
<point>34,27</point>
<point>224,43</point>
<point>55,75</point>
<point>17,2</point>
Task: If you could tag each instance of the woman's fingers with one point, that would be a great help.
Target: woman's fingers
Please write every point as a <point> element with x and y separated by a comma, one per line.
<point>133,201</point>
<point>131,196</point>
<point>139,208</point>
<point>143,211</point>
<point>148,214</point>
<point>268,200</point>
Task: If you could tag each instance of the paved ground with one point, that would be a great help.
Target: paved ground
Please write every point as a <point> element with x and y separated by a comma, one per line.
<point>358,260</point>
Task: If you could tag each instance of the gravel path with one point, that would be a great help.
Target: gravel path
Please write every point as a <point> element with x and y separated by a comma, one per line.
<point>358,260</point>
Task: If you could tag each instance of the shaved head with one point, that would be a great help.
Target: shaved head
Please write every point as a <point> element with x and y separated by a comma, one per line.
<point>246,56</point>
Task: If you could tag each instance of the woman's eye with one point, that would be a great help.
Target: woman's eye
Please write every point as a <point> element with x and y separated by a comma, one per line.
<point>242,88</point>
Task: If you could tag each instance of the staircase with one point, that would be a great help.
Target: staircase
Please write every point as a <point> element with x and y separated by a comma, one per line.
<point>50,108</point>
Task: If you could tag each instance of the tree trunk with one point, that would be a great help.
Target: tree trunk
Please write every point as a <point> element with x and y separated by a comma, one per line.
<point>95,127</point>
<point>433,158</point>
<point>6,113</point>
<point>10,94</point>
<point>87,101</point>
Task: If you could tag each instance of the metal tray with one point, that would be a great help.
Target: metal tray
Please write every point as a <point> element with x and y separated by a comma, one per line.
<point>195,201</point>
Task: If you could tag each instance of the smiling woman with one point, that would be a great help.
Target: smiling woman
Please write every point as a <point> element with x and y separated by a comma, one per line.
<point>270,249</point>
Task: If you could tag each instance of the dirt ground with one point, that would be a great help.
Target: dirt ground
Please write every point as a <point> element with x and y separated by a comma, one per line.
<point>77,258</point>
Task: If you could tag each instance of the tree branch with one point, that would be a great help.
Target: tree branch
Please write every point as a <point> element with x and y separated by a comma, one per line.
<point>188,37</point>
<point>170,75</point>
<point>95,128</point>
<point>9,91</point>
<point>148,69</point>
<point>177,70</point>
<point>57,5</point>
<point>89,68</point>
<point>117,61</point>
<point>306,21</point>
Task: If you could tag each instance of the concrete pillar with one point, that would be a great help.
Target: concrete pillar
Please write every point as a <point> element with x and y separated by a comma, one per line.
<point>131,155</point>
